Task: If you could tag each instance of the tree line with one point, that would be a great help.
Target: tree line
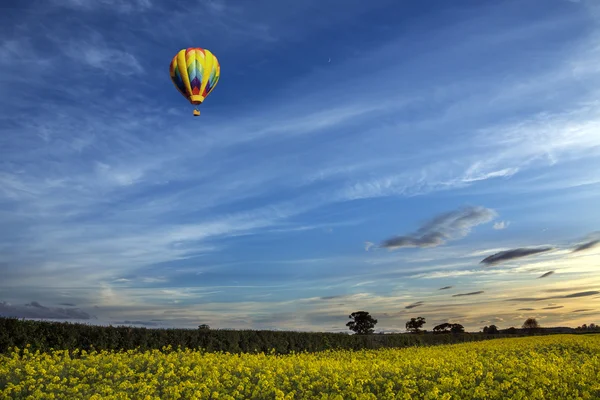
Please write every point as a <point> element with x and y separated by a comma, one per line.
<point>44,336</point>
<point>362,323</point>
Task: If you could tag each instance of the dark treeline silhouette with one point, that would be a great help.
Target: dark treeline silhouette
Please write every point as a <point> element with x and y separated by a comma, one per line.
<point>589,328</point>
<point>43,336</point>
<point>414,325</point>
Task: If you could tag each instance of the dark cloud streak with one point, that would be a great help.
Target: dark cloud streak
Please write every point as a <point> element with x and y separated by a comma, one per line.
<point>586,246</point>
<point>568,296</point>
<point>468,294</point>
<point>546,274</point>
<point>448,226</point>
<point>36,310</point>
<point>413,305</point>
<point>513,254</point>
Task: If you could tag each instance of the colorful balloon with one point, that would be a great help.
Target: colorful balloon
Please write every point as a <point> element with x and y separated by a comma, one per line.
<point>195,73</point>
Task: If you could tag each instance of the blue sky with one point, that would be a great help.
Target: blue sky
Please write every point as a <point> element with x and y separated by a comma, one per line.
<point>352,157</point>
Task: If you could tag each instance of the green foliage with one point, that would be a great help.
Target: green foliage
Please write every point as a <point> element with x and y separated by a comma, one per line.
<point>415,324</point>
<point>43,336</point>
<point>531,324</point>
<point>447,328</point>
<point>443,328</point>
<point>362,323</point>
<point>492,329</point>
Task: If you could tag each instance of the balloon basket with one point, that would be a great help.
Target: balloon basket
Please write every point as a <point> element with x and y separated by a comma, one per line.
<point>196,113</point>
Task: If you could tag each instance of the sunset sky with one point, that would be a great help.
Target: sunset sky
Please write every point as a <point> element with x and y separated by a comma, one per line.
<point>353,156</point>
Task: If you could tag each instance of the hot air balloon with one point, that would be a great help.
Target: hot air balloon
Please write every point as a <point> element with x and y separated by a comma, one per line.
<point>195,73</point>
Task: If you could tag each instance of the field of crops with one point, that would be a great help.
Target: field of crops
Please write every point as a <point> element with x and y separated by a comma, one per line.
<point>550,367</point>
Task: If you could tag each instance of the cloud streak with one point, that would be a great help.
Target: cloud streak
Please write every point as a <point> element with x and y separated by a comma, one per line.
<point>452,225</point>
<point>509,255</point>
<point>36,310</point>
<point>586,246</point>
<point>568,296</point>
<point>414,305</point>
<point>547,274</point>
<point>468,294</point>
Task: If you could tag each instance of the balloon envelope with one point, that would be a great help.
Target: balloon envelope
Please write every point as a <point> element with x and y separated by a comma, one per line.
<point>195,73</point>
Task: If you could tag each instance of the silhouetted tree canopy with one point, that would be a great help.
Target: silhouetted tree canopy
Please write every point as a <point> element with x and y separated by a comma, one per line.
<point>590,327</point>
<point>442,328</point>
<point>363,323</point>
<point>203,327</point>
<point>492,329</point>
<point>448,327</point>
<point>415,324</point>
<point>531,324</point>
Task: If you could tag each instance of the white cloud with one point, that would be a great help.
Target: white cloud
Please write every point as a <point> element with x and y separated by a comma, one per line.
<point>501,225</point>
<point>97,54</point>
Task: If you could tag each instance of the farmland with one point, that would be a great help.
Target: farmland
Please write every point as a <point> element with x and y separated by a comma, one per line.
<point>536,367</point>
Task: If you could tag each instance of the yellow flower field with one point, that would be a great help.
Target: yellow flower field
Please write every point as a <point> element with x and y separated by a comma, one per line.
<point>556,367</point>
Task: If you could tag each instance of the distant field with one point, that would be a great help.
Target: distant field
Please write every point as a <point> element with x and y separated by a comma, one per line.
<point>540,367</point>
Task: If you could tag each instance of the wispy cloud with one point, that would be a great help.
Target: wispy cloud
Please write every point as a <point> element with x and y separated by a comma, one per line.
<point>568,296</point>
<point>121,6</point>
<point>513,254</point>
<point>448,226</point>
<point>94,52</point>
<point>468,294</point>
<point>546,274</point>
<point>501,225</point>
<point>413,305</point>
<point>570,288</point>
<point>587,245</point>
<point>36,310</point>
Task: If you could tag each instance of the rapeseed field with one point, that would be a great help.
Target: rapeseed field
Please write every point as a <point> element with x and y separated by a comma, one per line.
<point>558,367</point>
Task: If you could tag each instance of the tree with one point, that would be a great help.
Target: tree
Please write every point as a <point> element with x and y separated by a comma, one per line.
<point>492,330</point>
<point>457,328</point>
<point>590,327</point>
<point>415,324</point>
<point>531,324</point>
<point>442,328</point>
<point>363,323</point>
<point>204,327</point>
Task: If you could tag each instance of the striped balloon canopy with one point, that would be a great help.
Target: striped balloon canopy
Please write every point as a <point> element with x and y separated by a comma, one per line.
<point>195,73</point>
